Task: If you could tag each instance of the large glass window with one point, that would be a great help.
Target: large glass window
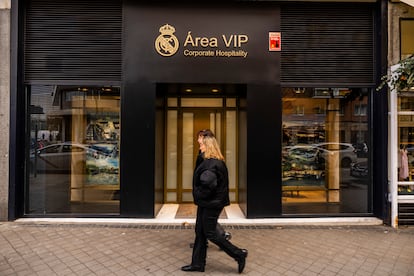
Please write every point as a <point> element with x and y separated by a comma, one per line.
<point>406,144</point>
<point>325,154</point>
<point>73,156</point>
<point>406,119</point>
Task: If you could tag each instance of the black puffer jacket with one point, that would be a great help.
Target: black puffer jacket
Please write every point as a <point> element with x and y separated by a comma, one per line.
<point>211,184</point>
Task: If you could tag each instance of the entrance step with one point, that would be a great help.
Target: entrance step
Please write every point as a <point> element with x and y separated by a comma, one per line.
<point>188,210</point>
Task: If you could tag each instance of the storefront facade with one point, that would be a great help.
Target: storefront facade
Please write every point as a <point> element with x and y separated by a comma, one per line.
<point>107,97</point>
<point>401,110</point>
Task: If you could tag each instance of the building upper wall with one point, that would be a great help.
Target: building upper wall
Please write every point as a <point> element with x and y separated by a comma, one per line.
<point>396,11</point>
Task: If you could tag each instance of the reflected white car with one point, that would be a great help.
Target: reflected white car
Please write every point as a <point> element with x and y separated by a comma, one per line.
<point>319,153</point>
<point>347,152</point>
<point>67,157</point>
<point>359,169</point>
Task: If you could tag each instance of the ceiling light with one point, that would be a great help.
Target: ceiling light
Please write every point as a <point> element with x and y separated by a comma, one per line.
<point>299,90</point>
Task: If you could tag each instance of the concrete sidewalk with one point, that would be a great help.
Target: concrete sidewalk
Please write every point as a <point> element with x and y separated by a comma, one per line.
<point>44,248</point>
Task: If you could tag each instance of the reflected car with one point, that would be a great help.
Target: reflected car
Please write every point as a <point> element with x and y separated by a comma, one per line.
<point>67,157</point>
<point>359,169</point>
<point>361,149</point>
<point>347,153</point>
<point>319,153</point>
<point>58,158</point>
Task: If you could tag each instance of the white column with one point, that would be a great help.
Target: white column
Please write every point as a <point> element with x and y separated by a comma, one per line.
<point>393,154</point>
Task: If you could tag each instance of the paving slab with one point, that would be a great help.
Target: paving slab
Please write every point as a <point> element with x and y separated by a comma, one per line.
<point>31,248</point>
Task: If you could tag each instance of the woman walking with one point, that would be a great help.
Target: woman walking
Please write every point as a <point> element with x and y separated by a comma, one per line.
<point>211,194</point>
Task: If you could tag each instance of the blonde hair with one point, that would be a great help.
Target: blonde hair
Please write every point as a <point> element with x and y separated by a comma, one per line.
<point>212,148</point>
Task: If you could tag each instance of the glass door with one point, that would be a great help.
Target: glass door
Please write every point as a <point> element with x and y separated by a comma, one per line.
<point>185,117</point>
<point>192,122</point>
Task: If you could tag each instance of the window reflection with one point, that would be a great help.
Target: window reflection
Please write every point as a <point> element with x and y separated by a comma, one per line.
<point>407,34</point>
<point>406,144</point>
<point>73,164</point>
<point>325,150</point>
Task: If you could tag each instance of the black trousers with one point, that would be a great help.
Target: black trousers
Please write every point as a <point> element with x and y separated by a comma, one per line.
<point>205,229</point>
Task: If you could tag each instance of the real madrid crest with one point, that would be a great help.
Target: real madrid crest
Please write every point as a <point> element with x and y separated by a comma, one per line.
<point>166,43</point>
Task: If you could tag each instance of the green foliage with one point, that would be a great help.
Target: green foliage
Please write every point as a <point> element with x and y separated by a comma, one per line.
<point>401,79</point>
